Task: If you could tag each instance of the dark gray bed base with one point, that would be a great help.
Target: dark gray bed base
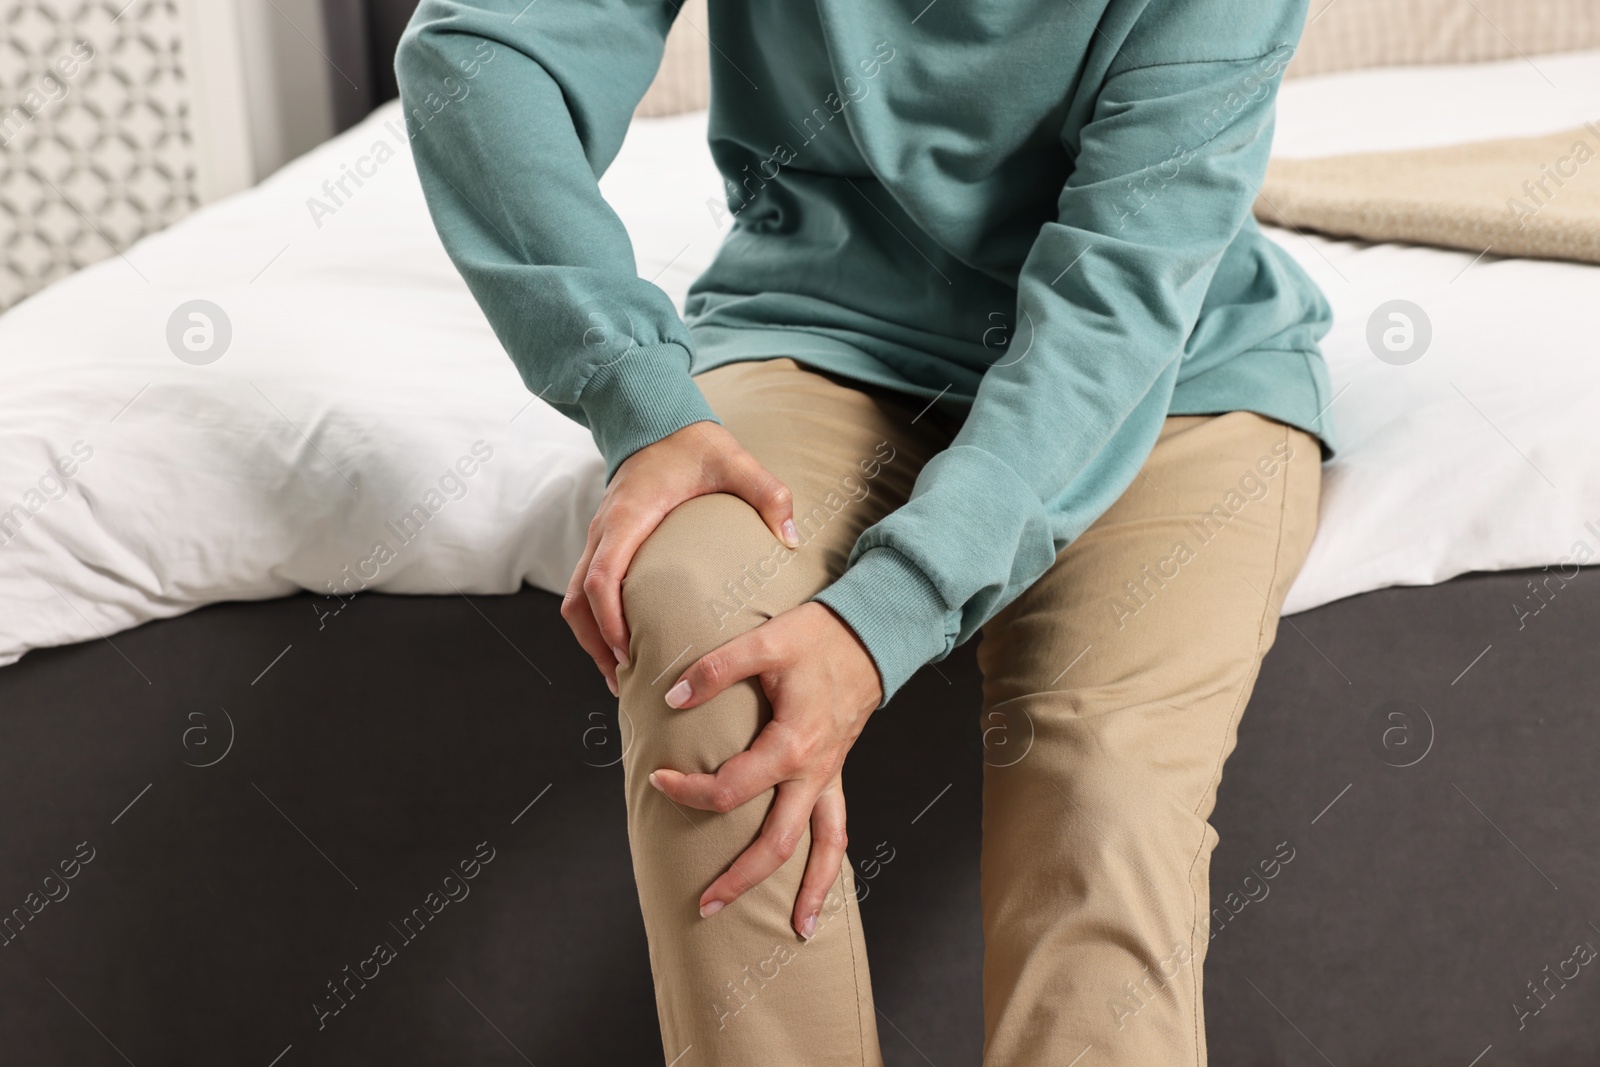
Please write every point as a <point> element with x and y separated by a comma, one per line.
<point>251,798</point>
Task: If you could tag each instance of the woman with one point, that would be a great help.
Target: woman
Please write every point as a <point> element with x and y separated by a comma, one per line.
<point>992,343</point>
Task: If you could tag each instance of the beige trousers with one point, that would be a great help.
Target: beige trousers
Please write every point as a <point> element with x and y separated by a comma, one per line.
<point>1112,692</point>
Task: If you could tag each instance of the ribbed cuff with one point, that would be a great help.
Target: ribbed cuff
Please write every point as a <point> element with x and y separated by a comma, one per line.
<point>895,610</point>
<point>641,398</point>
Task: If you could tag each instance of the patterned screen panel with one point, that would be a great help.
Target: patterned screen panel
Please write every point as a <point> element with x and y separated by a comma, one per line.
<point>96,136</point>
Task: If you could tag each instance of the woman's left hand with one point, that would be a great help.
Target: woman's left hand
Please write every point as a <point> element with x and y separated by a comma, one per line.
<point>823,686</point>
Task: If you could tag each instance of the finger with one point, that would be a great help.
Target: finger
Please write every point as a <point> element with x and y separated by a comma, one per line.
<point>781,834</point>
<point>762,490</point>
<point>770,760</point>
<point>602,582</point>
<point>580,619</point>
<point>615,536</point>
<point>746,656</point>
<point>828,842</point>
<point>575,609</point>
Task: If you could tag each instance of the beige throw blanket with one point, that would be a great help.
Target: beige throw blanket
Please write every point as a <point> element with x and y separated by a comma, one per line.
<point>1526,196</point>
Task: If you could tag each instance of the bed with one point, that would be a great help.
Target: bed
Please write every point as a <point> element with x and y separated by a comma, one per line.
<point>250,794</point>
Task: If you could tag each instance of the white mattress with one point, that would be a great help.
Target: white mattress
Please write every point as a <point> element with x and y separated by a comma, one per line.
<point>360,374</point>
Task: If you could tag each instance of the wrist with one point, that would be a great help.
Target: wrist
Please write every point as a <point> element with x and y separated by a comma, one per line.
<point>895,611</point>
<point>865,668</point>
<point>679,438</point>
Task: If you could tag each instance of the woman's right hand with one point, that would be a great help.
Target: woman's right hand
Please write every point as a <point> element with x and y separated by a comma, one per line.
<point>701,458</point>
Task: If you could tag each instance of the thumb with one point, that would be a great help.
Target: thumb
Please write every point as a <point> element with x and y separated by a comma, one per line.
<point>759,488</point>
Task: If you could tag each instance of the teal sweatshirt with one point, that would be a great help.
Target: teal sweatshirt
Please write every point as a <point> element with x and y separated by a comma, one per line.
<point>1035,213</point>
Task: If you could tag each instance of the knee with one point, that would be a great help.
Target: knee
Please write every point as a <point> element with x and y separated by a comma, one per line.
<point>685,585</point>
<point>1117,800</point>
<point>682,597</point>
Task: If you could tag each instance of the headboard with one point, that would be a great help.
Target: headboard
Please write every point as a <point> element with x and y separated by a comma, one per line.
<point>1340,35</point>
<point>1351,34</point>
<point>363,34</point>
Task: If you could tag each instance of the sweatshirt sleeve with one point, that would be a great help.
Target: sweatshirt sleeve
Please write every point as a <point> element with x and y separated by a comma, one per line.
<point>1165,172</point>
<point>514,110</point>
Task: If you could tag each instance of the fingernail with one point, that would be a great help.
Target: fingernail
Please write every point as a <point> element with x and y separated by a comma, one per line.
<point>654,780</point>
<point>622,657</point>
<point>809,928</point>
<point>791,536</point>
<point>611,685</point>
<point>710,909</point>
<point>678,695</point>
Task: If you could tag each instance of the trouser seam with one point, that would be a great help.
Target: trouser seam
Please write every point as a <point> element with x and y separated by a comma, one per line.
<point>1238,707</point>
<point>855,977</point>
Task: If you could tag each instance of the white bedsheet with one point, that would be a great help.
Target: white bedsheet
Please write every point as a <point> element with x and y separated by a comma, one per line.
<point>361,384</point>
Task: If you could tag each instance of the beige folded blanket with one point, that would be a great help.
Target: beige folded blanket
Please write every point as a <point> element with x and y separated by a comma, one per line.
<point>1525,196</point>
